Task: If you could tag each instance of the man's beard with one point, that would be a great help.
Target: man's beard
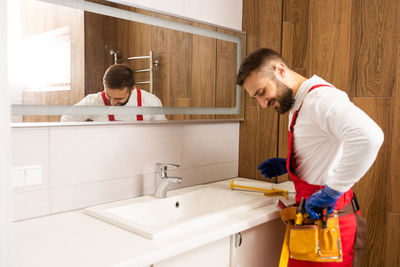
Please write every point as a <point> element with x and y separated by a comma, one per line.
<point>122,104</point>
<point>284,97</point>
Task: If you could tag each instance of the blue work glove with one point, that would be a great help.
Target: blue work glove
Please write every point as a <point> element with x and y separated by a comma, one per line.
<point>273,167</point>
<point>324,198</point>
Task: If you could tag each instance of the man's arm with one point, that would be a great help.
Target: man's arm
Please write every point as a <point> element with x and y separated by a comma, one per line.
<point>360,136</point>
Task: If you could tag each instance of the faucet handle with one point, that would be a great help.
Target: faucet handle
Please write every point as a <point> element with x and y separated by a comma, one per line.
<point>164,167</point>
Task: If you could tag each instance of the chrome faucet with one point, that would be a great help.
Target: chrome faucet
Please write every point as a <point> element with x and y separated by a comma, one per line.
<point>161,191</point>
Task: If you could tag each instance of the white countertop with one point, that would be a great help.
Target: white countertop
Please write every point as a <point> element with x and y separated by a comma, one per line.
<point>74,239</point>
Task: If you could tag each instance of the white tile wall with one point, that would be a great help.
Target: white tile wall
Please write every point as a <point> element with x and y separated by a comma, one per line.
<point>99,153</point>
<point>89,165</point>
<point>85,195</point>
<point>206,144</point>
<point>30,146</point>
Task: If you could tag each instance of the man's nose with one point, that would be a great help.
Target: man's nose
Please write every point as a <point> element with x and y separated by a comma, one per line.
<point>262,102</point>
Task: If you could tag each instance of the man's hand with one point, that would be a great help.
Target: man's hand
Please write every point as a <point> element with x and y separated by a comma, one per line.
<point>324,198</point>
<point>273,167</point>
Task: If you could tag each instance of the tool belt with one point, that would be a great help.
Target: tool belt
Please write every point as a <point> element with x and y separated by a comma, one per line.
<point>317,242</point>
<point>310,241</point>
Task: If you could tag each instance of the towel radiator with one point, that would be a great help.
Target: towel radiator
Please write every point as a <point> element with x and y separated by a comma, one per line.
<point>151,65</point>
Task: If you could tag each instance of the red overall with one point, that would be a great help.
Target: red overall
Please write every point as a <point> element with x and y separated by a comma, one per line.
<point>139,104</point>
<point>347,223</point>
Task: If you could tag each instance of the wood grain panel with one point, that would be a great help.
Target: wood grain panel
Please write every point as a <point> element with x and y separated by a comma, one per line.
<point>267,137</point>
<point>161,76</point>
<point>327,59</point>
<point>181,62</point>
<point>268,24</point>
<point>226,75</point>
<point>204,70</point>
<point>394,182</point>
<point>371,190</point>
<point>374,42</point>
<point>287,42</point>
<point>296,12</point>
<point>283,141</point>
<point>392,255</point>
<point>248,143</point>
<point>248,22</point>
<point>96,52</point>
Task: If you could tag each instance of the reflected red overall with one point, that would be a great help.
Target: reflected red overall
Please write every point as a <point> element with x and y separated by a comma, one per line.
<point>139,104</point>
<point>347,223</point>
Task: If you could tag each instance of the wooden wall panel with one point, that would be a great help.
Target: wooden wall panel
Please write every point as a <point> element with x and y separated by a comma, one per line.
<point>226,75</point>
<point>392,255</point>
<point>296,12</point>
<point>204,72</point>
<point>267,137</point>
<point>374,42</point>
<point>262,21</point>
<point>181,62</point>
<point>268,23</point>
<point>249,26</point>
<point>248,143</point>
<point>98,44</point>
<point>371,190</point>
<point>394,182</point>
<point>327,59</point>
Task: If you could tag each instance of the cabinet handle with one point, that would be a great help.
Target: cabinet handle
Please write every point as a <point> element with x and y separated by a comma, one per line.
<point>238,240</point>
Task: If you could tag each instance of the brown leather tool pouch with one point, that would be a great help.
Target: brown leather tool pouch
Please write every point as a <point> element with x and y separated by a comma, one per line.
<point>361,232</point>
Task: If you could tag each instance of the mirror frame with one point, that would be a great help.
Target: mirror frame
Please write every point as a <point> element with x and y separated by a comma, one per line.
<point>38,110</point>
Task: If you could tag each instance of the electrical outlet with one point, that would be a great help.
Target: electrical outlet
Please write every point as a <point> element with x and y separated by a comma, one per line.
<point>26,176</point>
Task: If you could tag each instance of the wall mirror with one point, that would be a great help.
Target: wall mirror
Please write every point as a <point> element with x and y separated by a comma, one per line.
<point>59,51</point>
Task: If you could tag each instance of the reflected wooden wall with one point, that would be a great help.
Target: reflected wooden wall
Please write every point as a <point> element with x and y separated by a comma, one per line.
<point>192,71</point>
<point>355,45</point>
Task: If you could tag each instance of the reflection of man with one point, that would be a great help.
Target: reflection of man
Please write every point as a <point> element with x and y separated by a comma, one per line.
<point>332,143</point>
<point>119,90</point>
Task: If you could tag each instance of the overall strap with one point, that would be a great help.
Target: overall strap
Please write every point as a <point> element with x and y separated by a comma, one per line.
<point>139,103</point>
<point>106,103</point>
<point>294,118</point>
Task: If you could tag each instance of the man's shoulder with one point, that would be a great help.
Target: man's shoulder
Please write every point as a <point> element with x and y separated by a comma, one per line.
<point>92,99</point>
<point>150,99</point>
<point>327,90</point>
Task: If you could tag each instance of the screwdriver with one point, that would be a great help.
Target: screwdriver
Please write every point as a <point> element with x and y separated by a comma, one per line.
<point>300,215</point>
<point>324,218</point>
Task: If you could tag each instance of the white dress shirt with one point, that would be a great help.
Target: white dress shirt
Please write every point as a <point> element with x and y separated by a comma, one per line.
<point>335,142</point>
<point>96,99</point>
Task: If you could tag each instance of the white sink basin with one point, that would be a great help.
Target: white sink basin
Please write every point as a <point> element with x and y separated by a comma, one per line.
<point>155,218</point>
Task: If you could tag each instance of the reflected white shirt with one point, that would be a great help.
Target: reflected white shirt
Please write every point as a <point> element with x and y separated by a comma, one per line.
<point>335,142</point>
<point>96,99</point>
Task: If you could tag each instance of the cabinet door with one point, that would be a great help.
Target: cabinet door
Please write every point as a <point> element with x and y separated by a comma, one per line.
<point>260,246</point>
<point>215,254</point>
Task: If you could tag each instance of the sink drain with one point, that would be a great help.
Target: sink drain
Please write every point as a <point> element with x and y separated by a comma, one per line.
<point>177,204</point>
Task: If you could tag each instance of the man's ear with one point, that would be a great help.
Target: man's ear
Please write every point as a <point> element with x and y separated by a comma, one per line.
<point>280,69</point>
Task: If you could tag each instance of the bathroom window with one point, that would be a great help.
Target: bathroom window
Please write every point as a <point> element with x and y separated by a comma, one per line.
<point>46,60</point>
<point>39,59</point>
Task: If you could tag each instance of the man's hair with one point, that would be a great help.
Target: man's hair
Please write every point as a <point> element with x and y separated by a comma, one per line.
<point>119,76</point>
<point>258,60</point>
